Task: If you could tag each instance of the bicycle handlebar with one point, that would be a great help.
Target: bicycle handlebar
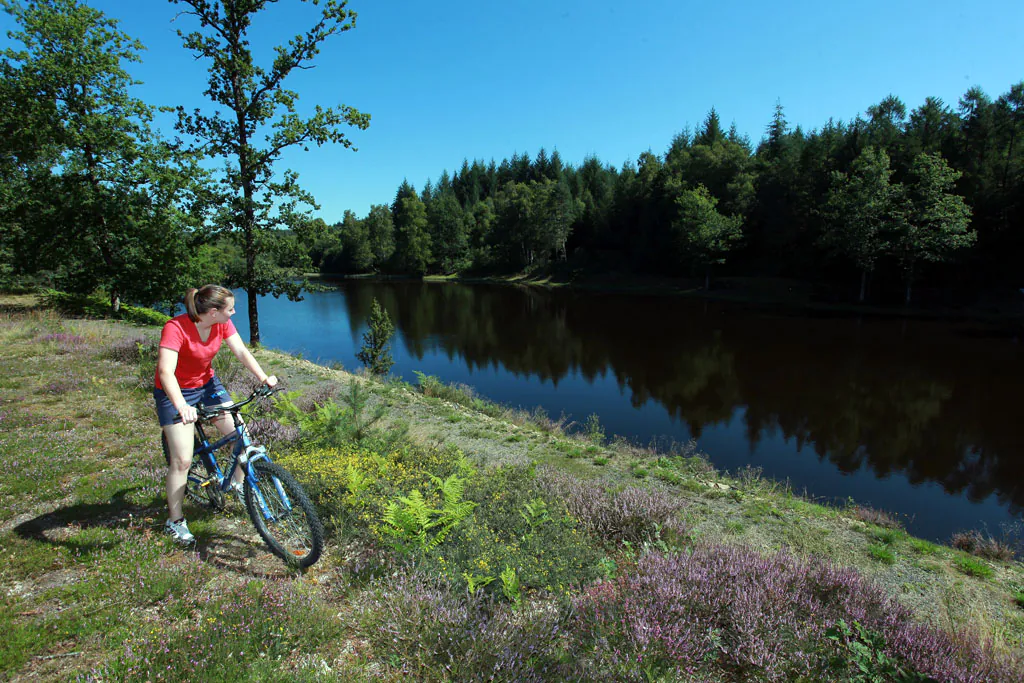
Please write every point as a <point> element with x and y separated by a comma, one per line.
<point>208,413</point>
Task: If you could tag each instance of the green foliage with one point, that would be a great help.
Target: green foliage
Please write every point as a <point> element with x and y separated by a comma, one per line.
<point>864,211</point>
<point>593,429</point>
<point>885,536</point>
<point>535,512</point>
<point>332,423</point>
<point>532,222</point>
<point>865,655</point>
<point>923,547</point>
<point>882,553</point>
<point>545,546</point>
<point>703,236</point>
<point>937,219</point>
<point>973,566</point>
<point>353,484</point>
<point>375,353</point>
<point>380,233</point>
<point>97,306</point>
<point>91,196</point>
<point>510,585</point>
<point>475,582</point>
<point>413,245</point>
<point>414,524</point>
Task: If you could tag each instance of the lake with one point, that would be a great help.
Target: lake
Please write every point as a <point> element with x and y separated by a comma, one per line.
<point>915,417</point>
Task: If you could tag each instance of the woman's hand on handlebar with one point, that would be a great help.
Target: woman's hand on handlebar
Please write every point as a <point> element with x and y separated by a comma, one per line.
<point>188,414</point>
<point>271,381</point>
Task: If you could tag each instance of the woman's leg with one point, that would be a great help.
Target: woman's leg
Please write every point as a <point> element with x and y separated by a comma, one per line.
<point>226,425</point>
<point>180,440</point>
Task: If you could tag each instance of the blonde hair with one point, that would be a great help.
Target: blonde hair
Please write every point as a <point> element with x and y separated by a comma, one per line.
<point>199,301</point>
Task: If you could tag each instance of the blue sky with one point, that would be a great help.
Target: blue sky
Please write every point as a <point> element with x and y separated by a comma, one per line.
<point>454,79</point>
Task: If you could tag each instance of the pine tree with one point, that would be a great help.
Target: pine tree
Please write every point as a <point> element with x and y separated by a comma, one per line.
<point>376,352</point>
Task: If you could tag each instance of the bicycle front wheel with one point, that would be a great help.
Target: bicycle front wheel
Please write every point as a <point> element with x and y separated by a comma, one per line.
<point>283,514</point>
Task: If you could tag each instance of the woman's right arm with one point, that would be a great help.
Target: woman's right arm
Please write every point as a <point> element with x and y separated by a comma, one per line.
<point>166,362</point>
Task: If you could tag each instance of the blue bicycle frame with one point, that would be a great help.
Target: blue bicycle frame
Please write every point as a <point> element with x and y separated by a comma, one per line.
<point>243,453</point>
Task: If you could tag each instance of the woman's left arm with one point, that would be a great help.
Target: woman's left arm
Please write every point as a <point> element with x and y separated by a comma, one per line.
<point>246,358</point>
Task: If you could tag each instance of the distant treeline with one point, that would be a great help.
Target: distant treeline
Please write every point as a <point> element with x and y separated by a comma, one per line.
<point>933,197</point>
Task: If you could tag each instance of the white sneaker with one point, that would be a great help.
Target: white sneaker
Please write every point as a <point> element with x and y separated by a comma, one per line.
<point>180,532</point>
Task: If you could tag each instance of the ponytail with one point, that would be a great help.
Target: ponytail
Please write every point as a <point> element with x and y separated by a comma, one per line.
<point>199,301</point>
<point>190,305</point>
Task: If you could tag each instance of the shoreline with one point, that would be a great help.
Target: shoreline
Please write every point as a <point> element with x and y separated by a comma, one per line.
<point>774,294</point>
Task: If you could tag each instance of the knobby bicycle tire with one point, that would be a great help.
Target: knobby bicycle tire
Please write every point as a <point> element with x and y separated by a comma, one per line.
<point>293,532</point>
<point>201,486</point>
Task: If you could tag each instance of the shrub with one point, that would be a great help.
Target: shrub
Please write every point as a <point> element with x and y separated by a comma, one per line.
<point>872,515</point>
<point>432,632</point>
<point>520,526</point>
<point>414,524</point>
<point>143,316</point>
<point>353,484</point>
<point>324,422</point>
<point>885,536</point>
<point>96,306</point>
<point>982,545</point>
<point>133,351</point>
<point>635,514</point>
<point>727,613</point>
<point>65,342</point>
<point>922,546</point>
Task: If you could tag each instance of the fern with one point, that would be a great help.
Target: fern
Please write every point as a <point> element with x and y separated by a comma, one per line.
<point>410,520</point>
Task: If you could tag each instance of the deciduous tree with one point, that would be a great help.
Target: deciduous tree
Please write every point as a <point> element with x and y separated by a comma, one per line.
<point>864,210</point>
<point>703,236</point>
<point>252,120</point>
<point>91,192</point>
<point>938,220</point>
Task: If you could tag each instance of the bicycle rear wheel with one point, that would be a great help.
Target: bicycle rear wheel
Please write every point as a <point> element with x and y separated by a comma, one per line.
<point>283,514</point>
<point>201,486</point>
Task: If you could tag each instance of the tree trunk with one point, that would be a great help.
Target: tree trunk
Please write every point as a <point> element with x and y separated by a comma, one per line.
<point>103,235</point>
<point>707,279</point>
<point>863,285</point>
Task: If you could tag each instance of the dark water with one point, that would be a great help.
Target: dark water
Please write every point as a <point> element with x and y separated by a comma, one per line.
<point>915,417</point>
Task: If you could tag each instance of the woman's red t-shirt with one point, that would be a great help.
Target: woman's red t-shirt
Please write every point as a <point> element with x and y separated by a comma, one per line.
<point>194,355</point>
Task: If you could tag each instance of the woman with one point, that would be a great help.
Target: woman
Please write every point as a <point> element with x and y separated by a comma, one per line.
<point>184,378</point>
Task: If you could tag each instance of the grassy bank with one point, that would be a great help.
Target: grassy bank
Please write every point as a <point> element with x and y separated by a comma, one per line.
<point>466,541</point>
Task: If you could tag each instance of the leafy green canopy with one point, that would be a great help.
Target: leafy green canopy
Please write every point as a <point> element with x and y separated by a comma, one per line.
<point>90,194</point>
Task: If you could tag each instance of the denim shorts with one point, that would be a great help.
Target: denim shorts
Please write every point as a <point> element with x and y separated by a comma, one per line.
<point>212,393</point>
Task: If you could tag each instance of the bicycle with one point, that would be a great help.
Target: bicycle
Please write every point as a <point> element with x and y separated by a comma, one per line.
<point>277,504</point>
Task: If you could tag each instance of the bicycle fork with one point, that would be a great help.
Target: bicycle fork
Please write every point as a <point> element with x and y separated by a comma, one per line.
<point>248,456</point>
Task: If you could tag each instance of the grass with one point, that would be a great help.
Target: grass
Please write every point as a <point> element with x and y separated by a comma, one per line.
<point>973,567</point>
<point>882,553</point>
<point>922,546</point>
<point>89,584</point>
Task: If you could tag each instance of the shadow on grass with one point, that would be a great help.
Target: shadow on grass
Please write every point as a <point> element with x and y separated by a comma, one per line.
<point>225,541</point>
<point>53,527</point>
